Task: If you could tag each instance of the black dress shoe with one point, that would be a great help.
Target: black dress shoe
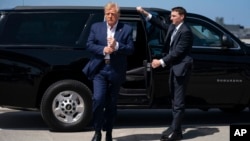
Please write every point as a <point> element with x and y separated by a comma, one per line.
<point>108,136</point>
<point>174,136</point>
<point>97,136</point>
<point>167,132</point>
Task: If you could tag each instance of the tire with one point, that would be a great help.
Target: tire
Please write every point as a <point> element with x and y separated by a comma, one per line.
<point>66,106</point>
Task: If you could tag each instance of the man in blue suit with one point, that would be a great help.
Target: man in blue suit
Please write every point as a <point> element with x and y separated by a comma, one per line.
<point>110,42</point>
<point>179,41</point>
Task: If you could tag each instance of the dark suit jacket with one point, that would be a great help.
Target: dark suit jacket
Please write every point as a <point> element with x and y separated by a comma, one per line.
<point>97,40</point>
<point>178,56</point>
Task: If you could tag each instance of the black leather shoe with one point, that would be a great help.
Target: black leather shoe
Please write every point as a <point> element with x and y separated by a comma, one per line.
<point>174,136</point>
<point>108,136</point>
<point>97,136</point>
<point>167,132</point>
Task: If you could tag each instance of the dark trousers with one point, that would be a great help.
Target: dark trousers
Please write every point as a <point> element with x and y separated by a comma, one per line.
<point>104,100</point>
<point>178,87</point>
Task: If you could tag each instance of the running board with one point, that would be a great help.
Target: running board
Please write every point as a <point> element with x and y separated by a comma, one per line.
<point>133,92</point>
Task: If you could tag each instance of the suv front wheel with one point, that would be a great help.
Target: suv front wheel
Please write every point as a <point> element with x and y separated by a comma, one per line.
<point>66,106</point>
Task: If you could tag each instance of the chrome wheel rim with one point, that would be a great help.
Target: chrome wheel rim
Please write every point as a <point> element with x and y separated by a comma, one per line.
<point>68,107</point>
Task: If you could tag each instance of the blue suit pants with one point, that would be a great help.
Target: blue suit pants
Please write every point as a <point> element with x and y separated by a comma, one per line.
<point>104,100</point>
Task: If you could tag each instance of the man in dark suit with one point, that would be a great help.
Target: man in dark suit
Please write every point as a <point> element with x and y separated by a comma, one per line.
<point>110,42</point>
<point>179,40</point>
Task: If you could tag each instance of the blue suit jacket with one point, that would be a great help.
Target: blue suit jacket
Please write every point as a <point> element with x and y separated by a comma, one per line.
<point>97,40</point>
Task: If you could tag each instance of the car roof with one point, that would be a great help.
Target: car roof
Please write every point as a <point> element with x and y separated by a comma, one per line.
<point>62,8</point>
<point>128,10</point>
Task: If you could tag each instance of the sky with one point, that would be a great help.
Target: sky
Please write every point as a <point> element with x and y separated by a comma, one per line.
<point>233,11</point>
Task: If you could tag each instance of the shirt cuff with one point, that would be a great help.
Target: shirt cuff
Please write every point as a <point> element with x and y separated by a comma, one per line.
<point>149,17</point>
<point>162,63</point>
<point>116,46</point>
<point>103,52</point>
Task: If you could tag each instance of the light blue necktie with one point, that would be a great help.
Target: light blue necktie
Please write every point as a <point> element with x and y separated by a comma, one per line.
<point>172,36</point>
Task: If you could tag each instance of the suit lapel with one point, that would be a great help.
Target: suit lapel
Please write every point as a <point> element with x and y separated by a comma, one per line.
<point>104,32</point>
<point>168,36</point>
<point>177,34</point>
<point>118,31</point>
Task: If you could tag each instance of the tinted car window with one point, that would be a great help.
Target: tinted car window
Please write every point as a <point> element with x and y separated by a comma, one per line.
<point>136,59</point>
<point>153,35</point>
<point>205,36</point>
<point>156,37</point>
<point>45,28</point>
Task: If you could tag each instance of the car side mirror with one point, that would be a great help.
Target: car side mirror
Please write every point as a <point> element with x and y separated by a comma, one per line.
<point>227,41</point>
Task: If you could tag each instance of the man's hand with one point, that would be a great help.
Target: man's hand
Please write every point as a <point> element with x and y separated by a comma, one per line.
<point>111,42</point>
<point>142,11</point>
<point>108,50</point>
<point>155,63</point>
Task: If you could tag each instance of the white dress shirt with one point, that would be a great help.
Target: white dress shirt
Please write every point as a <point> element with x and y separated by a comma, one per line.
<point>111,34</point>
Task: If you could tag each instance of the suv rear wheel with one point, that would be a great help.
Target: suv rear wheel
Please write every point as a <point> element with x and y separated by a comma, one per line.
<point>66,106</point>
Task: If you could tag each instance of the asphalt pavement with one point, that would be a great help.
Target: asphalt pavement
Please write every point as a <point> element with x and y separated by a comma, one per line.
<point>131,125</point>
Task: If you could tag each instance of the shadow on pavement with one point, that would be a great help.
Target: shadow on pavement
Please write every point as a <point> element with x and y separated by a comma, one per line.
<point>190,134</point>
<point>160,117</point>
<point>139,137</point>
<point>198,132</point>
<point>22,120</point>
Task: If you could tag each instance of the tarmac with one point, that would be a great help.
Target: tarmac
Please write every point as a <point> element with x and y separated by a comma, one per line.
<point>131,125</point>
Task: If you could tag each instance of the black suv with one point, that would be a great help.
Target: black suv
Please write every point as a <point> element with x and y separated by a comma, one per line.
<point>42,53</point>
